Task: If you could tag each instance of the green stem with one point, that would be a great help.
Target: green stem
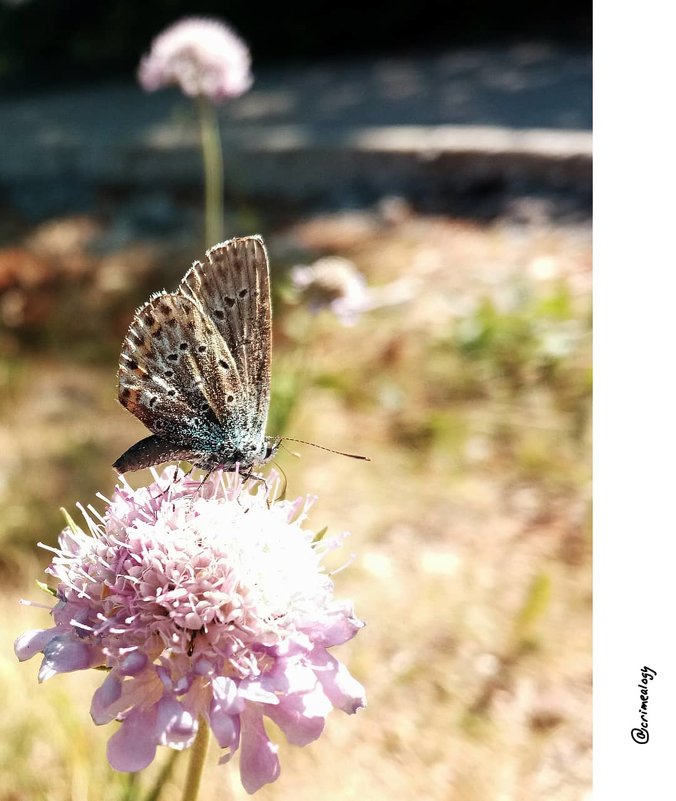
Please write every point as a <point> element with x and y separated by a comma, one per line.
<point>212,156</point>
<point>198,753</point>
<point>130,792</point>
<point>163,778</point>
<point>296,376</point>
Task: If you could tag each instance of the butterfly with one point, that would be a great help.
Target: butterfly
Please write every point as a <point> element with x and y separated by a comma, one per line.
<point>195,365</point>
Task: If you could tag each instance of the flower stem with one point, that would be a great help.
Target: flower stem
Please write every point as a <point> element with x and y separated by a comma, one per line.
<point>163,778</point>
<point>212,156</point>
<point>297,377</point>
<point>198,753</point>
<point>131,788</point>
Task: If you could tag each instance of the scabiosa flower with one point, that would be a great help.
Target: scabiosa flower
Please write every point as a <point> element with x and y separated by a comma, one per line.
<point>334,283</point>
<point>206,602</point>
<point>204,57</point>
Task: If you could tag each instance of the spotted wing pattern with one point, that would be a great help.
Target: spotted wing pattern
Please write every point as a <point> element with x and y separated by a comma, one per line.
<point>233,290</point>
<point>195,364</point>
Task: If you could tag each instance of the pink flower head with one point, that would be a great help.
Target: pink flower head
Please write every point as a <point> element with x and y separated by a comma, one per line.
<point>334,283</point>
<point>206,602</point>
<point>202,56</point>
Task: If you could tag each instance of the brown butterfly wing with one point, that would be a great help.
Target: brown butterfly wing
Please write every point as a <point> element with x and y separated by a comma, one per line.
<point>233,290</point>
<point>171,366</point>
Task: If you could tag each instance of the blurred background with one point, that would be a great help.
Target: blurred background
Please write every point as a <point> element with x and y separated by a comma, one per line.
<point>431,164</point>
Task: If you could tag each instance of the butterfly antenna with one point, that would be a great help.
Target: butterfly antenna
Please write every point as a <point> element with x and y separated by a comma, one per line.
<point>330,450</point>
<point>288,450</point>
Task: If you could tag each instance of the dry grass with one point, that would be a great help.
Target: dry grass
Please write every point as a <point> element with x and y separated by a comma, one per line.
<point>469,527</point>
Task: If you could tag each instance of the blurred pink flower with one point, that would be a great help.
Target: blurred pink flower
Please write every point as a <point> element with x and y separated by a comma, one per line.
<point>202,56</point>
<point>206,602</point>
<point>334,283</point>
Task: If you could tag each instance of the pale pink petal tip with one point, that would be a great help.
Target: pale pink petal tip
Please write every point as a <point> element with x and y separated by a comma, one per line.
<point>258,762</point>
<point>133,745</point>
<point>32,642</point>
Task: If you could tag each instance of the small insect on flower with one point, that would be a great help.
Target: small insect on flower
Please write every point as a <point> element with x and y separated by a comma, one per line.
<point>205,602</point>
<point>204,57</point>
<point>195,365</point>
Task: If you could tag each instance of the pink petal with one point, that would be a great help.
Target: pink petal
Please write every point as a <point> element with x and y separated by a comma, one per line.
<point>334,629</point>
<point>175,725</point>
<point>133,745</point>
<point>32,642</point>
<point>341,688</point>
<point>224,712</point>
<point>288,676</point>
<point>63,654</point>
<point>133,663</point>
<point>301,717</point>
<point>225,727</point>
<point>224,691</point>
<point>106,695</point>
<point>252,690</point>
<point>258,761</point>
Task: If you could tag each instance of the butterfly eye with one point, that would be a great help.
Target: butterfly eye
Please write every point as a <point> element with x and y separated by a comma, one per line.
<point>168,373</point>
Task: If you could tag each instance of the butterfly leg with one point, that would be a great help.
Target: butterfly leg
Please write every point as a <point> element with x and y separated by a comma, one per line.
<point>173,481</point>
<point>251,476</point>
<point>207,474</point>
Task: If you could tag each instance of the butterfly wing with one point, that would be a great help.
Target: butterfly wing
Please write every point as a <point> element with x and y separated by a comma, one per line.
<point>233,291</point>
<point>195,364</point>
<point>171,366</point>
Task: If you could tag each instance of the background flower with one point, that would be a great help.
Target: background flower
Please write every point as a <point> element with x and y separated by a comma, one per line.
<point>207,602</point>
<point>204,57</point>
<point>335,283</point>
